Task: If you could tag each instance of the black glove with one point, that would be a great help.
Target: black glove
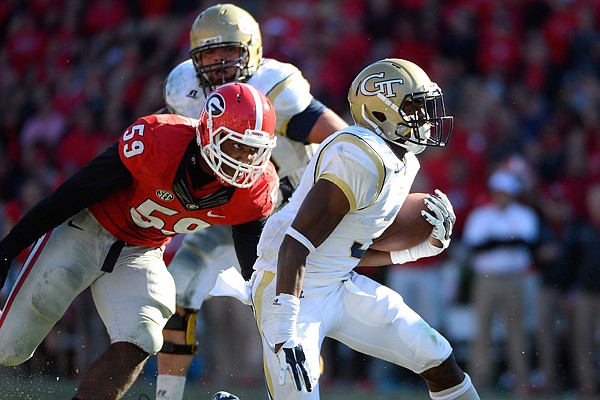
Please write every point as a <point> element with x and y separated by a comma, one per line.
<point>4,267</point>
<point>285,190</point>
<point>293,360</point>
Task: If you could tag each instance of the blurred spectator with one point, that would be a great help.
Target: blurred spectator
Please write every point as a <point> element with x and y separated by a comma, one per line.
<point>585,39</point>
<point>536,68</point>
<point>37,162</point>
<point>557,29</point>
<point>575,176</point>
<point>45,125</point>
<point>498,54</point>
<point>583,252</point>
<point>460,40</point>
<point>381,19</point>
<point>80,144</point>
<point>407,43</point>
<point>335,80</point>
<point>103,16</point>
<point>26,42</point>
<point>553,306</point>
<point>500,235</point>
<point>281,30</point>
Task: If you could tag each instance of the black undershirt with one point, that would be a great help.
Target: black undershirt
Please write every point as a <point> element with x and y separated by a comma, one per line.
<point>102,176</point>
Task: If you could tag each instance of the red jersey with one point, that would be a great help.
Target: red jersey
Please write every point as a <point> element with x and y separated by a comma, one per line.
<point>156,150</point>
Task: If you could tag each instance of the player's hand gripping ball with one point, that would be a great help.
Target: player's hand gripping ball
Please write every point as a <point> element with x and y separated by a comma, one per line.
<point>408,229</point>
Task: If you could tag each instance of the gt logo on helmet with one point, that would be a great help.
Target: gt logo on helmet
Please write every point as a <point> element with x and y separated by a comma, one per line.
<point>383,87</point>
<point>215,105</point>
<point>211,40</point>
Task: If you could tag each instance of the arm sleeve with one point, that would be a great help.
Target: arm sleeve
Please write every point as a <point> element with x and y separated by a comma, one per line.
<point>302,123</point>
<point>102,176</point>
<point>245,241</point>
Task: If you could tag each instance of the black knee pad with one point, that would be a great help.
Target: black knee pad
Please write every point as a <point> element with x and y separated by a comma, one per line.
<point>185,324</point>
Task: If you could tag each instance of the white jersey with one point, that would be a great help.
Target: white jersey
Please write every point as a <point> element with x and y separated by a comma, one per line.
<point>376,183</point>
<point>284,85</point>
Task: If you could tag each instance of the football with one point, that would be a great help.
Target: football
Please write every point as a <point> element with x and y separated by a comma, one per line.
<point>408,229</point>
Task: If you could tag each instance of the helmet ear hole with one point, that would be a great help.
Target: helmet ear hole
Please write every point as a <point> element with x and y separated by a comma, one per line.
<point>380,116</point>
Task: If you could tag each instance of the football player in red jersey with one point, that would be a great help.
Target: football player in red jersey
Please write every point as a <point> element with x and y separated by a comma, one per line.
<point>106,228</point>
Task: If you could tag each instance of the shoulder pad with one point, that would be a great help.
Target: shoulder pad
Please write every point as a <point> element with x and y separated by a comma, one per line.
<point>183,94</point>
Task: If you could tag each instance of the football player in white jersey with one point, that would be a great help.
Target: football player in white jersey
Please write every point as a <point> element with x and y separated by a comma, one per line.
<point>226,46</point>
<point>304,288</point>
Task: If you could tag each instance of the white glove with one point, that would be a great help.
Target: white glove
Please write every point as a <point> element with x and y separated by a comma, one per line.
<point>231,283</point>
<point>444,218</point>
<point>292,359</point>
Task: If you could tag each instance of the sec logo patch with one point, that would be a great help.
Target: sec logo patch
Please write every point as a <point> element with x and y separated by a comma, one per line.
<point>164,195</point>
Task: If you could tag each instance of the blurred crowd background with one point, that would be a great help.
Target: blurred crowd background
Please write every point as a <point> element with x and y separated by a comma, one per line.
<point>521,78</point>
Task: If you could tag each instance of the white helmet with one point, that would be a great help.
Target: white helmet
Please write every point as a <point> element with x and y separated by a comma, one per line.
<point>396,99</point>
<point>182,91</point>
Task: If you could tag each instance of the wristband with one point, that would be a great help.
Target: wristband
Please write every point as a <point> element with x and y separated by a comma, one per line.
<point>285,315</point>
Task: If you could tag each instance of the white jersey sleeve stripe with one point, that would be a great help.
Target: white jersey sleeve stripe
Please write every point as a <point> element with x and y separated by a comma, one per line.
<point>276,91</point>
<point>368,150</point>
<point>265,280</point>
<point>344,187</point>
<point>280,86</point>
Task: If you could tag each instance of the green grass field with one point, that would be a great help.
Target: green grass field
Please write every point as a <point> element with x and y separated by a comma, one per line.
<point>14,386</point>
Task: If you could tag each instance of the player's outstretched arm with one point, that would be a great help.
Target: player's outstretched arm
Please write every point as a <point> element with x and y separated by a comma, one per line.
<point>100,177</point>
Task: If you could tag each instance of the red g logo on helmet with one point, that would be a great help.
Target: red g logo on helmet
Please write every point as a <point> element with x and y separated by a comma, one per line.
<point>215,105</point>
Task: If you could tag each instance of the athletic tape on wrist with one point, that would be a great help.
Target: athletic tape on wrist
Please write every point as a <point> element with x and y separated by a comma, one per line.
<point>285,315</point>
<point>423,249</point>
<point>301,238</point>
<point>399,257</point>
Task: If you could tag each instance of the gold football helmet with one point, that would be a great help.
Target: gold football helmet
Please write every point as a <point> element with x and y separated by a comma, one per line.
<point>396,99</point>
<point>225,26</point>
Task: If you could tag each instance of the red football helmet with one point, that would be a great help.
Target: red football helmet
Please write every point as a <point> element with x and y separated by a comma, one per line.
<point>243,114</point>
